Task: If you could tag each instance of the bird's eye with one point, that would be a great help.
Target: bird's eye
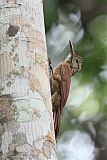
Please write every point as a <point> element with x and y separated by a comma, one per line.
<point>76,60</point>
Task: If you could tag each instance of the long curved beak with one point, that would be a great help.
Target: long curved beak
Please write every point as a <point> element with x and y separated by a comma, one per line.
<point>71,49</point>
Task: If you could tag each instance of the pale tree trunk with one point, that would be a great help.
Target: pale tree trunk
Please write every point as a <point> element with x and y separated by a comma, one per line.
<point>26,128</point>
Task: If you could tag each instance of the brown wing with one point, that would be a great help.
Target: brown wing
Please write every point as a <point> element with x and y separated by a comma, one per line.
<point>65,84</point>
<point>64,91</point>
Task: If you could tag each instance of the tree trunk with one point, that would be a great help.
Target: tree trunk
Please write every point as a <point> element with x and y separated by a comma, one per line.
<point>26,127</point>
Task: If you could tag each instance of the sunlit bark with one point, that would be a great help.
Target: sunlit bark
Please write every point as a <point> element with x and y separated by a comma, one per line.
<point>26,128</point>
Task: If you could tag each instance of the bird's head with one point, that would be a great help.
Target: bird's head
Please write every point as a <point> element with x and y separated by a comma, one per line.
<point>74,60</point>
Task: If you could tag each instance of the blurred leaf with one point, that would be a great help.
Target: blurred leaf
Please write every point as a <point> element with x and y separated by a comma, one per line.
<point>50,13</point>
<point>98,29</point>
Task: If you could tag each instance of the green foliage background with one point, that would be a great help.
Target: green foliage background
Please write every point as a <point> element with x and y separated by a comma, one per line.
<point>85,23</point>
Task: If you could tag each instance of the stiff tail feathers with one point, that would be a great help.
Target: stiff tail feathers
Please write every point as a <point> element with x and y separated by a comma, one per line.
<point>56,118</point>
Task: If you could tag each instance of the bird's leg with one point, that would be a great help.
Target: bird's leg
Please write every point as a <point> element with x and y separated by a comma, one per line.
<point>50,67</point>
<point>56,77</point>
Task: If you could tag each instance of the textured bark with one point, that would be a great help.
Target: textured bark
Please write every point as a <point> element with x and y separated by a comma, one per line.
<point>26,127</point>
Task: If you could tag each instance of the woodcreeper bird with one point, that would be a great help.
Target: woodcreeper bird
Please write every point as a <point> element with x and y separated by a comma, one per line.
<point>60,80</point>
